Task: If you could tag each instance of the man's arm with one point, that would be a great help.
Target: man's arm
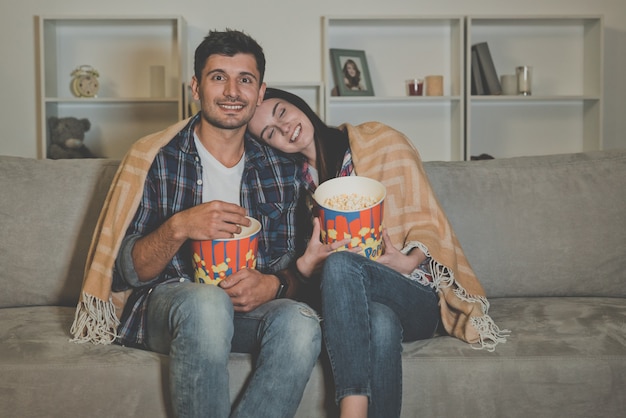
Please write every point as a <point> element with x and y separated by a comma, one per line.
<point>153,252</point>
<point>211,220</point>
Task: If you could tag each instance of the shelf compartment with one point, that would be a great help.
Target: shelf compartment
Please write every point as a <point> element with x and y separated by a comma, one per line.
<point>430,125</point>
<point>122,49</point>
<point>398,48</point>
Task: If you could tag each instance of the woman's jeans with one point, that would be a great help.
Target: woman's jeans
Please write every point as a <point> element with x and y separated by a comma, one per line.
<point>196,325</point>
<point>368,309</point>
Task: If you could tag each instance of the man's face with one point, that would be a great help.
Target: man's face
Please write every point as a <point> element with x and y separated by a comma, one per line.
<point>229,91</point>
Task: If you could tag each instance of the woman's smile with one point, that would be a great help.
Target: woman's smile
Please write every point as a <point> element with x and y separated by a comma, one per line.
<point>296,134</point>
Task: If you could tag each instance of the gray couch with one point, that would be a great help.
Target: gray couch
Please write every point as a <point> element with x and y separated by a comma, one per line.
<point>546,236</point>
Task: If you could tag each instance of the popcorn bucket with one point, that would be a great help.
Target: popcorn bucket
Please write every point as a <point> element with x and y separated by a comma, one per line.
<point>214,260</point>
<point>352,207</point>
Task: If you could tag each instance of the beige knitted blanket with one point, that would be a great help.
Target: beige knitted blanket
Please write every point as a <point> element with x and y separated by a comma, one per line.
<point>412,213</point>
<point>99,309</point>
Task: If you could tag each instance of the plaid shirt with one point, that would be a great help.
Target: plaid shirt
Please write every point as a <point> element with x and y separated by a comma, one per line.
<point>269,191</point>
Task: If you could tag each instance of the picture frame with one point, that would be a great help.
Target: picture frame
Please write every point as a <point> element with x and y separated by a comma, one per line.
<point>351,83</point>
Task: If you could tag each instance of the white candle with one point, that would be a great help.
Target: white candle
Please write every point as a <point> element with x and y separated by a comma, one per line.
<point>524,80</point>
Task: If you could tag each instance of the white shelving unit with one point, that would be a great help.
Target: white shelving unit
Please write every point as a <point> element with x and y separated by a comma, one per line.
<point>398,48</point>
<point>122,49</point>
<point>564,112</point>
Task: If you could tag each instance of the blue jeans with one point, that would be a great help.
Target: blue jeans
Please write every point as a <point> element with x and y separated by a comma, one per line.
<point>368,309</point>
<point>196,325</point>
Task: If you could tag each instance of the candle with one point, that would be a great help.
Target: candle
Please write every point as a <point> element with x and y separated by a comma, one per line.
<point>524,80</point>
<point>509,84</point>
<point>434,85</point>
<point>415,86</point>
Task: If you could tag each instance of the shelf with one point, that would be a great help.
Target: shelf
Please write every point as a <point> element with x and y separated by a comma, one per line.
<point>122,49</point>
<point>398,48</point>
<point>392,99</point>
<point>427,123</point>
<point>100,100</point>
<point>564,113</point>
<point>522,99</point>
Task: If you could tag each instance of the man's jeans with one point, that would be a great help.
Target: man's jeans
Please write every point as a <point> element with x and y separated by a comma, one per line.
<point>196,325</point>
<point>368,309</point>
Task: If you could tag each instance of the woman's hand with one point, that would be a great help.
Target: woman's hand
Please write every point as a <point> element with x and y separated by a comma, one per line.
<point>394,259</point>
<point>313,258</point>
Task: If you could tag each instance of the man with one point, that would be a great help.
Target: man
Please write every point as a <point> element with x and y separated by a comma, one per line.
<point>192,191</point>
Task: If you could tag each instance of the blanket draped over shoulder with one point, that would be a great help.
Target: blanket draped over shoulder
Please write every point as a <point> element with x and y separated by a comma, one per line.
<point>409,216</point>
<point>98,311</point>
<point>412,213</point>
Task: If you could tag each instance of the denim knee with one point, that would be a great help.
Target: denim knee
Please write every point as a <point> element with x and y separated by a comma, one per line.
<point>344,259</point>
<point>301,325</point>
<point>386,331</point>
<point>206,303</point>
<point>340,266</point>
<point>198,317</point>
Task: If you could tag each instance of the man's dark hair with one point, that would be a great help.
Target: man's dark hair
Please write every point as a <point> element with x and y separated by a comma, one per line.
<point>229,42</point>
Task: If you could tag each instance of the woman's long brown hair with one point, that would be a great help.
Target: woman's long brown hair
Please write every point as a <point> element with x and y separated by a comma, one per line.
<point>330,143</point>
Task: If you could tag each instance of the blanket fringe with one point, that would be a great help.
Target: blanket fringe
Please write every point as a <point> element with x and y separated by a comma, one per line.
<point>490,335</point>
<point>94,321</point>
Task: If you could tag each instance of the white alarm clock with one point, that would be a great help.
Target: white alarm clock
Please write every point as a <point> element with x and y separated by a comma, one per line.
<point>85,81</point>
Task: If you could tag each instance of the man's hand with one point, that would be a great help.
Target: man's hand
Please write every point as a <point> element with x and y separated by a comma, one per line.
<point>211,220</point>
<point>215,219</point>
<point>248,289</point>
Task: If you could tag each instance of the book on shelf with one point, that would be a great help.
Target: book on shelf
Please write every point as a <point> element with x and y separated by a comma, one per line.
<point>477,77</point>
<point>491,82</point>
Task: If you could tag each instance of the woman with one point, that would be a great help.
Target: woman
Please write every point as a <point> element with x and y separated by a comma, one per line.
<point>370,307</point>
<point>352,75</point>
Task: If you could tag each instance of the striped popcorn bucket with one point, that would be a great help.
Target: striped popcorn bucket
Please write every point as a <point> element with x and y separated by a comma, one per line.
<point>352,207</point>
<point>214,260</point>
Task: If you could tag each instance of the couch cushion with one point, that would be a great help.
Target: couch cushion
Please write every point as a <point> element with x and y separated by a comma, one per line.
<point>566,357</point>
<point>49,210</point>
<point>46,375</point>
<point>540,226</point>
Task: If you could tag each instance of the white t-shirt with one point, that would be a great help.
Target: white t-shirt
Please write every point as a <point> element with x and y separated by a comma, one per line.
<point>218,181</point>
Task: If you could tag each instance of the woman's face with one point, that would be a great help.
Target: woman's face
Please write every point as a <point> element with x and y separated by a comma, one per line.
<point>283,126</point>
<point>351,69</point>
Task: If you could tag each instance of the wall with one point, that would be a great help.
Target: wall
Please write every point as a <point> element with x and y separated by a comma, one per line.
<point>289,31</point>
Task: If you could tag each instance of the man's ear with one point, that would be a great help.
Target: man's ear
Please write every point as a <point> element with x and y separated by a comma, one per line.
<point>261,93</point>
<point>194,88</point>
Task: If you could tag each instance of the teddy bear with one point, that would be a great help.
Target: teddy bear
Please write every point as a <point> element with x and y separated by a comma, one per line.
<point>67,137</point>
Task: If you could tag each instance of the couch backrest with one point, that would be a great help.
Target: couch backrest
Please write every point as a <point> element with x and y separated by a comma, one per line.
<point>48,212</point>
<point>540,226</point>
<point>530,226</point>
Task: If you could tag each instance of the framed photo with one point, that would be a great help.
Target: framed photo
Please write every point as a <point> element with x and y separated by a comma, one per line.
<point>352,75</point>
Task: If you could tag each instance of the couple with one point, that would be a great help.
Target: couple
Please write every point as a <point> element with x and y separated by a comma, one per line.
<point>197,180</point>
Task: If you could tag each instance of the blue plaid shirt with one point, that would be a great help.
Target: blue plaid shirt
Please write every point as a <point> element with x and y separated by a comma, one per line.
<point>270,186</point>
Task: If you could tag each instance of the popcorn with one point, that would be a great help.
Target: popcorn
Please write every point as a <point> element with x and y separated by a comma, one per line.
<point>349,202</point>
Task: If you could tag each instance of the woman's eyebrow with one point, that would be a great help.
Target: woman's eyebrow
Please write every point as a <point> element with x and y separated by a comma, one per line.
<point>273,114</point>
